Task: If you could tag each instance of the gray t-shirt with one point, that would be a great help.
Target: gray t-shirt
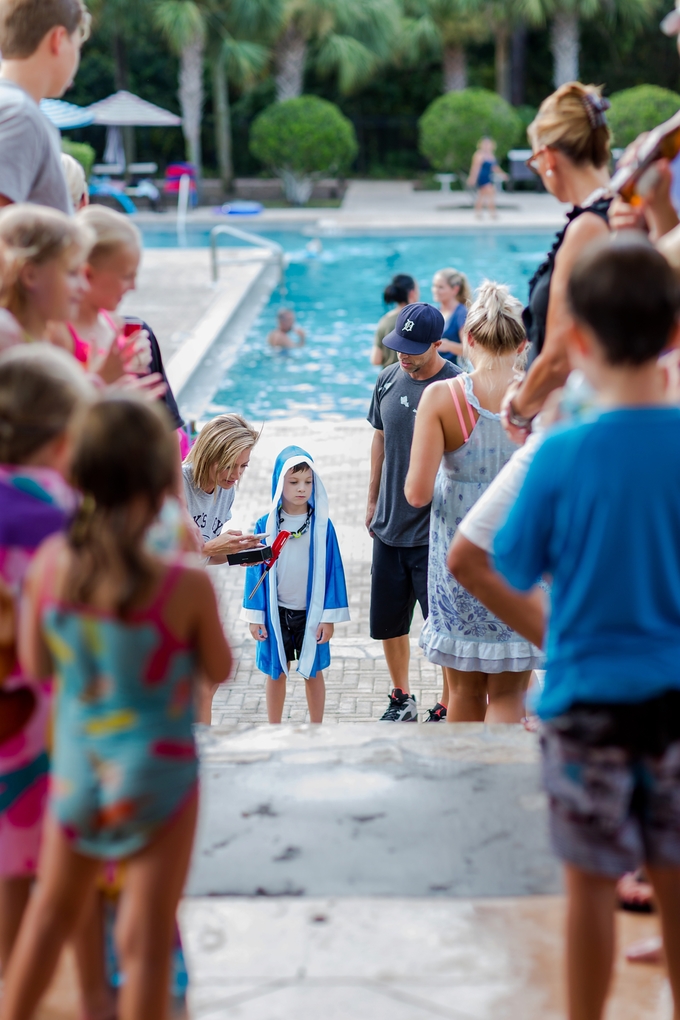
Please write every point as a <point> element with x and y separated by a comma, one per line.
<point>393,411</point>
<point>210,510</point>
<point>30,152</point>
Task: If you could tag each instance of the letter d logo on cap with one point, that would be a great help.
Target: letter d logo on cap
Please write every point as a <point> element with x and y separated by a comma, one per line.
<point>408,326</point>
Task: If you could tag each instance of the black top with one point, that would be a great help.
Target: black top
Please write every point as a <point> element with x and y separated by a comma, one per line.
<point>157,366</point>
<point>535,315</point>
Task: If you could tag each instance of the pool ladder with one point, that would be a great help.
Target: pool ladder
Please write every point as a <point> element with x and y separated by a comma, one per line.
<point>277,252</point>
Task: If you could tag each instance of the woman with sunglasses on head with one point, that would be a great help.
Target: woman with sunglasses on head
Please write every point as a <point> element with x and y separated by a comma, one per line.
<point>570,141</point>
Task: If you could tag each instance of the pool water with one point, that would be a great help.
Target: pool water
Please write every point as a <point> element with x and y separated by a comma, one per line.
<point>337,298</point>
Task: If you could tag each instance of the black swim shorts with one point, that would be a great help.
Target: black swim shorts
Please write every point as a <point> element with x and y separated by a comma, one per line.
<point>398,581</point>
<point>293,623</point>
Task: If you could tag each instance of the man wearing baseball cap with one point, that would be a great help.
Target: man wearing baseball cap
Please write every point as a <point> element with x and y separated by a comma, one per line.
<point>399,531</point>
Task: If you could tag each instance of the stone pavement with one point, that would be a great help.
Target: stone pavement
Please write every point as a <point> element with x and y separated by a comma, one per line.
<point>357,683</point>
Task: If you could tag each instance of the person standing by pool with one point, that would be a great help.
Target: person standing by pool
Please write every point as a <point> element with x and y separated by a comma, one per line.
<point>570,139</point>
<point>484,171</point>
<point>459,446</point>
<point>403,290</point>
<point>451,291</point>
<point>400,532</point>
<point>281,336</point>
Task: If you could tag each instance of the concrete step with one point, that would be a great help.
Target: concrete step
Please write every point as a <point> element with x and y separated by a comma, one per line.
<point>457,810</point>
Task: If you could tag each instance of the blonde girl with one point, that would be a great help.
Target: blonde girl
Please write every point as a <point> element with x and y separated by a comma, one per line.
<point>459,446</point>
<point>211,472</point>
<point>127,635</point>
<point>451,291</point>
<point>40,390</point>
<point>76,181</point>
<point>43,279</point>
<point>111,272</point>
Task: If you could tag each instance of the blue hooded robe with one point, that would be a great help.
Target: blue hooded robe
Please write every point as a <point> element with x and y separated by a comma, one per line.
<point>326,589</point>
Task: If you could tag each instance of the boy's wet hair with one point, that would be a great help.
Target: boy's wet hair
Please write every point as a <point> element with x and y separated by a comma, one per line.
<point>25,23</point>
<point>302,466</point>
<point>629,296</point>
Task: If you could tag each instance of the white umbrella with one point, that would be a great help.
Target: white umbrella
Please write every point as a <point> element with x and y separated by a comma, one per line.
<point>123,109</point>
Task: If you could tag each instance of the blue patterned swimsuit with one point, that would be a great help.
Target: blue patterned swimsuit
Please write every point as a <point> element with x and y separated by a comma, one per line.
<point>124,756</point>
<point>459,631</point>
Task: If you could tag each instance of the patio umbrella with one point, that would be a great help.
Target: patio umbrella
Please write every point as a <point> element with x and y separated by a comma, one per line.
<point>66,116</point>
<point>123,109</point>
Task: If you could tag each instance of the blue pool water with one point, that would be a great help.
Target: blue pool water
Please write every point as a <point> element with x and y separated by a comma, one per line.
<point>337,298</point>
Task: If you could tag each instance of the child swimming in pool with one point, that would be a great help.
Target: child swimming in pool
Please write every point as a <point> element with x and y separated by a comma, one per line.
<point>127,635</point>
<point>280,338</point>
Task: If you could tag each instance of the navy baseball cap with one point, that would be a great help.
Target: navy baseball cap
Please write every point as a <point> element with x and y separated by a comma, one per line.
<point>418,327</point>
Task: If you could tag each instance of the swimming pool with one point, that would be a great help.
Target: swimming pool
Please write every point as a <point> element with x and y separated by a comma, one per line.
<point>337,298</point>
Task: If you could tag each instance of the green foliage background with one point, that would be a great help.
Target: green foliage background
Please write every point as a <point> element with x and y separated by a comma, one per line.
<point>640,109</point>
<point>306,136</point>
<point>385,112</point>
<point>81,151</point>
<point>453,124</point>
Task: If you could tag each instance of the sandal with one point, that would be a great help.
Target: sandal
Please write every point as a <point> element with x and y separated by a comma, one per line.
<point>635,894</point>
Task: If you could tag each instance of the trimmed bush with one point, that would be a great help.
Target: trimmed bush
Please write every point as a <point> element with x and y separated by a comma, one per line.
<point>301,139</point>
<point>453,124</point>
<point>81,151</point>
<point>640,109</point>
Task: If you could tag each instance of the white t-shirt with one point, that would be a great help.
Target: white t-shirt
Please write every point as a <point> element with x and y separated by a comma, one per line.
<point>292,567</point>
<point>210,510</point>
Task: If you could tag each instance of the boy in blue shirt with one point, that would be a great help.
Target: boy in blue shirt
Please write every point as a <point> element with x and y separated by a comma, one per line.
<point>599,512</point>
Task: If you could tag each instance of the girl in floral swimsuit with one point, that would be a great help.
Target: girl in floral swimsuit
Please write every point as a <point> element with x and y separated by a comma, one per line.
<point>126,634</point>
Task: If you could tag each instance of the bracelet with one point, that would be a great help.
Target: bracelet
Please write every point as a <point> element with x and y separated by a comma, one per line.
<point>518,421</point>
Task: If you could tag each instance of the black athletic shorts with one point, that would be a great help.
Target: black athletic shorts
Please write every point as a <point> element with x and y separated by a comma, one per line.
<point>293,623</point>
<point>398,581</point>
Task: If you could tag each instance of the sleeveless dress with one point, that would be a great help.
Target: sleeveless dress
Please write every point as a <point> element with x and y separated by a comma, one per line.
<point>34,504</point>
<point>459,631</point>
<point>124,758</point>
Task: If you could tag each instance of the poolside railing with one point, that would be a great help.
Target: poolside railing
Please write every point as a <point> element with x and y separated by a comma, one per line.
<point>279,255</point>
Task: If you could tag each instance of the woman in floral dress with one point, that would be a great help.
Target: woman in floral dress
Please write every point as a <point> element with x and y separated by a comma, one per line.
<point>459,446</point>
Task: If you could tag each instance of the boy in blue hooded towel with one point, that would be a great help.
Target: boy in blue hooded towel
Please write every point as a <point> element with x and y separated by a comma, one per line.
<point>293,613</point>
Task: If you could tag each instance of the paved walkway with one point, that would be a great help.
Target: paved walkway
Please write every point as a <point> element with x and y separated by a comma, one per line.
<point>394,206</point>
<point>357,683</point>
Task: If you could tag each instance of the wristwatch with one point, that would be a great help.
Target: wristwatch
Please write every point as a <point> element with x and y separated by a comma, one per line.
<point>519,421</point>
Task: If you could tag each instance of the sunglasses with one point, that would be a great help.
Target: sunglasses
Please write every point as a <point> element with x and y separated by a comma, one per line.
<point>532,162</point>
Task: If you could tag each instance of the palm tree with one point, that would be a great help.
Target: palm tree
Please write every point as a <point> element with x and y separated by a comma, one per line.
<point>184,23</point>
<point>226,32</point>
<point>238,55</point>
<point>566,16</point>
<point>441,29</point>
<point>348,38</point>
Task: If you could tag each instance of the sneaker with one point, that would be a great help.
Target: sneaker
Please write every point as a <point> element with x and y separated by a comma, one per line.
<point>436,714</point>
<point>402,708</point>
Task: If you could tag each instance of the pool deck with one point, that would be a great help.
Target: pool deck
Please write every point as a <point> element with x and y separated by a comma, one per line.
<point>391,206</point>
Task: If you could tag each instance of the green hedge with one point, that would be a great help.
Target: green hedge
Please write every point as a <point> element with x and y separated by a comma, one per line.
<point>640,109</point>
<point>305,136</point>
<point>81,151</point>
<point>453,124</point>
